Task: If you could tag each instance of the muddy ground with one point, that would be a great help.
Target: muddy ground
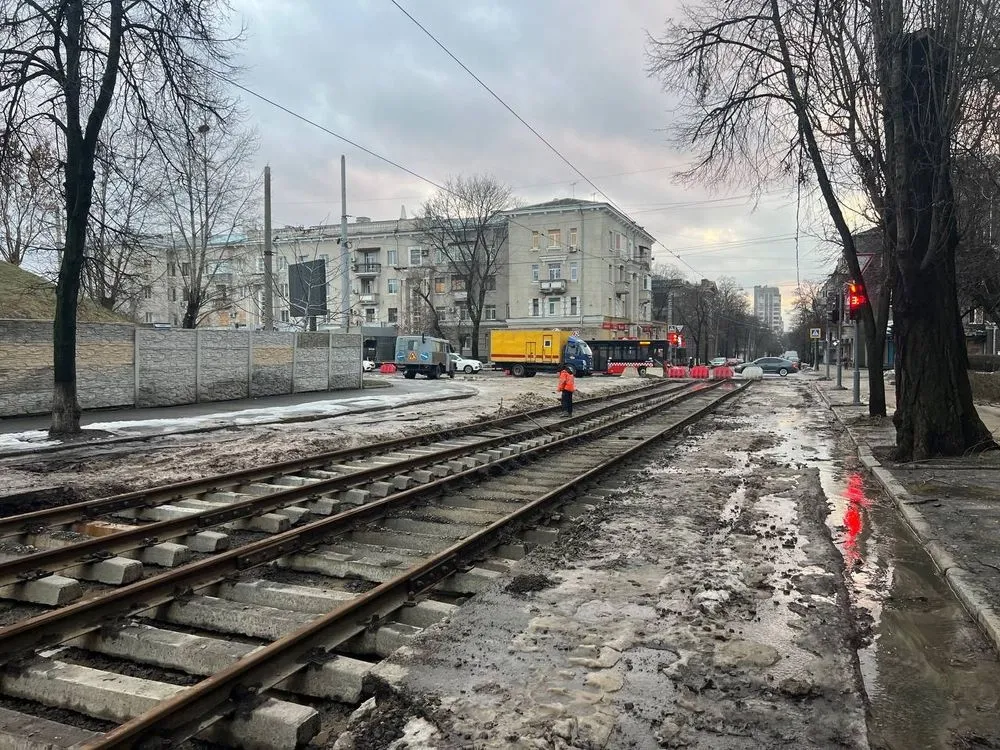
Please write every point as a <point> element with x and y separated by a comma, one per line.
<point>95,471</point>
<point>701,606</point>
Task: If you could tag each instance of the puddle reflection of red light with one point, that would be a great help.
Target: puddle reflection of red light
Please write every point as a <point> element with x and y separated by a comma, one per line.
<point>854,519</point>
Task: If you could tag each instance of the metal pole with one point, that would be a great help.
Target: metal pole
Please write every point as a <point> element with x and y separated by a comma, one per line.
<point>827,351</point>
<point>345,287</point>
<point>840,336</point>
<point>858,331</point>
<point>268,256</point>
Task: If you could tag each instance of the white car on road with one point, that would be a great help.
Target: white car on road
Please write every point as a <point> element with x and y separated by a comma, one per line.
<point>467,366</point>
<point>367,365</point>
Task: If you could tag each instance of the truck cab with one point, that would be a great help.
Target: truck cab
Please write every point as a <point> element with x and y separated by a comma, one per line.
<point>578,355</point>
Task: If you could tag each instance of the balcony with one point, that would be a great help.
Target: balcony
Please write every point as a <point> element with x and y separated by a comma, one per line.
<point>367,269</point>
<point>622,288</point>
<point>553,286</point>
<point>368,298</point>
<point>460,295</point>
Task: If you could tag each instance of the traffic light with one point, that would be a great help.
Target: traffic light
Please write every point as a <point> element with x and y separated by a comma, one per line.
<point>855,298</point>
<point>833,304</point>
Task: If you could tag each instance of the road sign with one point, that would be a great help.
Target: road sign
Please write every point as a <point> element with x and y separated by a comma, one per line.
<point>815,333</point>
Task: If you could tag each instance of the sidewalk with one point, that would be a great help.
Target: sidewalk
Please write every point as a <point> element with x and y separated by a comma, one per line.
<point>22,434</point>
<point>952,505</point>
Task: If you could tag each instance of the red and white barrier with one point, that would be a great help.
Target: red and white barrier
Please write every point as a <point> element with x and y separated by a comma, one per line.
<point>700,372</point>
<point>722,373</point>
<point>677,372</point>
<point>387,368</point>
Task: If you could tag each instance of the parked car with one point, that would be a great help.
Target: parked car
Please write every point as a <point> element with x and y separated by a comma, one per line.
<point>791,355</point>
<point>733,361</point>
<point>717,362</point>
<point>777,365</point>
<point>467,366</point>
<point>367,365</point>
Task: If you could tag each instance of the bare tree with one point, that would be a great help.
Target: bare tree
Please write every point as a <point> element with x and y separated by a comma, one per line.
<point>63,65</point>
<point>775,85</point>
<point>207,200</point>
<point>466,223</point>
<point>119,265</point>
<point>28,198</point>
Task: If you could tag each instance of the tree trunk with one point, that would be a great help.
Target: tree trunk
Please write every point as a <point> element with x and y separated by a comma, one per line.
<point>79,183</point>
<point>475,339</point>
<point>935,414</point>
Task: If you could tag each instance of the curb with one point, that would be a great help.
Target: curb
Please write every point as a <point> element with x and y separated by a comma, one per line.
<point>196,430</point>
<point>958,579</point>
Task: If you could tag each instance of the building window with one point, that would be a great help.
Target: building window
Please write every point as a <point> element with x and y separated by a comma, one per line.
<point>369,315</point>
<point>574,271</point>
<point>534,272</point>
<point>490,312</point>
<point>572,237</point>
<point>149,317</point>
<point>463,312</point>
<point>536,240</point>
<point>185,269</point>
<point>555,238</point>
<point>415,254</point>
<point>367,286</point>
<point>646,282</point>
<point>553,305</point>
<point>284,316</point>
<point>172,269</point>
<point>574,306</point>
<point>534,308</point>
<point>393,314</point>
<point>392,257</point>
<point>491,283</point>
<point>439,285</point>
<point>173,294</point>
<point>458,283</point>
<point>439,257</point>
<point>442,313</point>
<point>282,263</point>
<point>283,291</point>
<point>555,271</point>
<point>147,292</point>
<point>393,286</point>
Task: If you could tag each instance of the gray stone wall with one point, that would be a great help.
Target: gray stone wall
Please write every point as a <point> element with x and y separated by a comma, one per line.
<point>124,365</point>
<point>225,365</point>
<point>272,364</point>
<point>166,367</point>
<point>312,355</point>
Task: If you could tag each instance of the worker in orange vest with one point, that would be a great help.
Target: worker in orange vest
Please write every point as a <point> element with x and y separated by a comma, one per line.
<point>567,385</point>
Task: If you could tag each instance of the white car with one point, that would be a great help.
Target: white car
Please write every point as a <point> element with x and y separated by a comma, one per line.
<point>467,366</point>
<point>367,365</point>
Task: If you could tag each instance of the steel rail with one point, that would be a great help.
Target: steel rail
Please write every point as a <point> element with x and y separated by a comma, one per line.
<point>183,715</point>
<point>83,616</point>
<point>89,509</point>
<point>45,562</point>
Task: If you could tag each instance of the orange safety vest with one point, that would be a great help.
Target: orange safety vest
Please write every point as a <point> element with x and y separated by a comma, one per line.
<point>566,382</point>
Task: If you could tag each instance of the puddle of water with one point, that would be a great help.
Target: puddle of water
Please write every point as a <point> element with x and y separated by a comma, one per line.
<point>932,680</point>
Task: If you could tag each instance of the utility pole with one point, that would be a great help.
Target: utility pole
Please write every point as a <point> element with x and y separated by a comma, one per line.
<point>268,256</point>
<point>345,286</point>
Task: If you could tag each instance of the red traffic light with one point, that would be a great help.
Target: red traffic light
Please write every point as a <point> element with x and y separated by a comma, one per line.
<point>855,297</point>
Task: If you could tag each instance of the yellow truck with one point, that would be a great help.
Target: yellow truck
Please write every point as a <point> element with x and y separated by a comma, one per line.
<point>528,352</point>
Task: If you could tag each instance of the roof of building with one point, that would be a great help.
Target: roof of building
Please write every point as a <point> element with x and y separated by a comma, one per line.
<point>570,203</point>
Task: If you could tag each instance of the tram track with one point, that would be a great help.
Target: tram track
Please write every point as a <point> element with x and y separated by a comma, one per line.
<point>404,544</point>
<point>167,523</point>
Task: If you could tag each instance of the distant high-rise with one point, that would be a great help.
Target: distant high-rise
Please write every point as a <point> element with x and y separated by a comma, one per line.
<point>767,307</point>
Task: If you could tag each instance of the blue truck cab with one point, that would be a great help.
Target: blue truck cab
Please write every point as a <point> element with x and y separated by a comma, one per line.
<point>578,355</point>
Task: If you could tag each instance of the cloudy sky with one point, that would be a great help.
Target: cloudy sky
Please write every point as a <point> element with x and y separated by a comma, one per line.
<point>574,69</point>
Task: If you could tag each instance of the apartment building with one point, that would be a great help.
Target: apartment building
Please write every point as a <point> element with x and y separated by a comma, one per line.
<point>566,264</point>
<point>767,307</point>
<point>581,265</point>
